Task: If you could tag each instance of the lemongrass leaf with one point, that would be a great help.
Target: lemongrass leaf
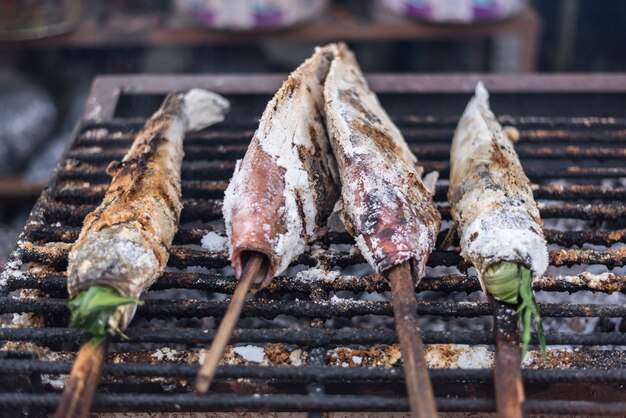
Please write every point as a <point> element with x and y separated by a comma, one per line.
<point>529,312</point>
<point>512,283</point>
<point>502,281</point>
<point>92,309</point>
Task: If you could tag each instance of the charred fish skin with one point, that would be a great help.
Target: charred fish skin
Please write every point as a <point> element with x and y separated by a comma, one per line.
<point>284,189</point>
<point>491,198</point>
<point>124,243</point>
<point>386,206</point>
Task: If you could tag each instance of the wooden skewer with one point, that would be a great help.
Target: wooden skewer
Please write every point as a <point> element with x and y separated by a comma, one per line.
<point>507,369</point>
<point>404,302</point>
<point>84,378</point>
<point>251,271</point>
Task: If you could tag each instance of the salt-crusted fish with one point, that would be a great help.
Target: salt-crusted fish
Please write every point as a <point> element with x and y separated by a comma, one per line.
<point>283,190</point>
<point>495,213</point>
<point>385,205</point>
<point>124,244</point>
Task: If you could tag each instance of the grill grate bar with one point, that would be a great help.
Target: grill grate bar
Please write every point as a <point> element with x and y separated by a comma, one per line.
<point>216,170</point>
<point>211,209</point>
<point>194,210</point>
<point>311,373</point>
<point>223,402</point>
<point>586,123</point>
<point>414,136</point>
<point>223,170</point>
<point>436,153</point>
<point>288,403</point>
<point>212,282</point>
<point>182,257</point>
<point>193,235</point>
<point>93,194</point>
<point>270,309</point>
<point>304,336</point>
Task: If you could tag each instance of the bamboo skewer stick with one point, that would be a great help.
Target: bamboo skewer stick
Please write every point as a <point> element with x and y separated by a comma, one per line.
<point>404,302</point>
<point>507,369</point>
<point>252,269</point>
<point>83,381</point>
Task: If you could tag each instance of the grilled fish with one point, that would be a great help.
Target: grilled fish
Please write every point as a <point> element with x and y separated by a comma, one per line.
<point>385,205</point>
<point>283,190</point>
<point>124,244</point>
<point>494,211</point>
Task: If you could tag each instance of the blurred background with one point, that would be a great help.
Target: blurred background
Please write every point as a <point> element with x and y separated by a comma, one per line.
<point>50,51</point>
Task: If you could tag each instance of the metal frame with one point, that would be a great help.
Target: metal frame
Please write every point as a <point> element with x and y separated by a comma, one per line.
<point>106,90</point>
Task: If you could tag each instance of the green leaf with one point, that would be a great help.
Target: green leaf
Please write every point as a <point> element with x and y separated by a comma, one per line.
<point>502,281</point>
<point>529,311</point>
<point>93,308</point>
<point>512,283</point>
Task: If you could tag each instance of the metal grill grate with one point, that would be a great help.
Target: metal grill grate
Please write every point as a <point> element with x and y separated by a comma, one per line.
<point>327,322</point>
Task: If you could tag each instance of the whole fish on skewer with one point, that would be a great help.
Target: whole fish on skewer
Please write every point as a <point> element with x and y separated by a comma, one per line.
<point>495,214</point>
<point>385,206</point>
<point>281,193</point>
<point>124,244</point>
<point>283,190</point>
<point>501,234</point>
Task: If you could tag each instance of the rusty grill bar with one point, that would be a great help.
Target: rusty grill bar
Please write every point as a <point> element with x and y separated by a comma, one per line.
<point>573,144</point>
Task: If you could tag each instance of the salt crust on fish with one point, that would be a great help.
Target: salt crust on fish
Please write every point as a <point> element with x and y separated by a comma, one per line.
<point>490,196</point>
<point>124,243</point>
<point>385,205</point>
<point>283,190</point>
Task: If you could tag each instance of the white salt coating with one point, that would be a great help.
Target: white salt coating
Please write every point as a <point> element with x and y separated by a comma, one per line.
<point>214,242</point>
<point>345,77</point>
<point>316,274</point>
<point>230,197</point>
<point>357,359</point>
<point>142,258</point>
<point>361,244</point>
<point>498,222</point>
<point>251,353</point>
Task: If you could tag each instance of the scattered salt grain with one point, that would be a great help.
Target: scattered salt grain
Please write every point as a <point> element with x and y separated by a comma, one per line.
<point>295,357</point>
<point>475,358</point>
<point>57,383</point>
<point>315,274</point>
<point>214,242</point>
<point>165,353</point>
<point>251,353</point>
<point>357,359</point>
